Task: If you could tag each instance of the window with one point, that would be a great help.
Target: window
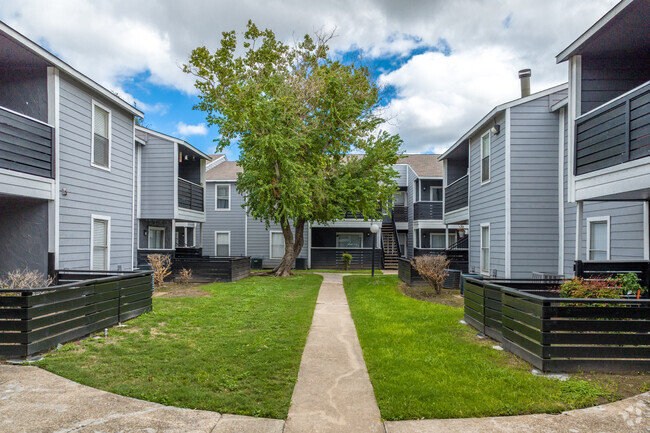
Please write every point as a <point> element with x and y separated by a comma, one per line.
<point>101,137</point>
<point>598,238</point>
<point>437,241</point>
<point>485,158</point>
<point>184,236</point>
<point>403,245</point>
<point>156,238</point>
<point>277,245</point>
<point>222,197</point>
<point>452,238</point>
<point>99,251</point>
<point>435,193</point>
<point>349,240</point>
<point>222,244</point>
<point>400,198</point>
<point>485,249</point>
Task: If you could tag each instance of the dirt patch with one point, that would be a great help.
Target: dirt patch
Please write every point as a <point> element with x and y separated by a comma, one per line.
<point>176,290</point>
<point>621,385</point>
<point>450,298</point>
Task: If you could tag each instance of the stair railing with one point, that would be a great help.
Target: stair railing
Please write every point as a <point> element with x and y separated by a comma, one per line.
<point>399,247</point>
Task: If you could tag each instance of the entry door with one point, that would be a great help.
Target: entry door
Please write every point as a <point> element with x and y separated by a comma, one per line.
<point>401,238</point>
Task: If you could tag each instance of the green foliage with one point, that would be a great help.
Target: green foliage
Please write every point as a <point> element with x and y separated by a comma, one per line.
<point>347,259</point>
<point>296,115</point>
<point>236,351</point>
<point>587,289</point>
<point>630,283</point>
<point>424,364</point>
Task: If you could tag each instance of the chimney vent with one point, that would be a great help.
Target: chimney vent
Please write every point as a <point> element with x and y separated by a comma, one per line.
<point>524,77</point>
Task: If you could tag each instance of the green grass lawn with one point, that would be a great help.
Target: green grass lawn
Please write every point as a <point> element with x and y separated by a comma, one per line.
<point>423,363</point>
<point>236,351</point>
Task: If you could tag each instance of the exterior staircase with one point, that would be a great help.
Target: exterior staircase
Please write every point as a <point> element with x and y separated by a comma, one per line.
<point>389,245</point>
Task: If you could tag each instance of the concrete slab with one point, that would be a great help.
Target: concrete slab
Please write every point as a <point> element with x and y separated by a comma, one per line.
<point>333,392</point>
<point>36,401</point>
<point>631,415</point>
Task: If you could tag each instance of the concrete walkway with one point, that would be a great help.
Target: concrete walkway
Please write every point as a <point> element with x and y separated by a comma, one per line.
<point>333,392</point>
<point>36,401</point>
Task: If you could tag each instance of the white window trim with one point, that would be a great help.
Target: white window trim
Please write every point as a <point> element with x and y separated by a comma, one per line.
<point>216,233</point>
<point>483,182</point>
<point>599,219</point>
<point>431,235</point>
<point>94,217</point>
<point>431,188</point>
<point>404,194</point>
<point>271,243</point>
<point>153,228</point>
<point>216,189</point>
<point>485,273</point>
<point>186,226</point>
<point>92,135</point>
<point>349,233</point>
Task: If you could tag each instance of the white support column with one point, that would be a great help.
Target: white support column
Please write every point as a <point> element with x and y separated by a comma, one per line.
<point>446,237</point>
<point>646,230</point>
<point>579,218</point>
<point>309,247</point>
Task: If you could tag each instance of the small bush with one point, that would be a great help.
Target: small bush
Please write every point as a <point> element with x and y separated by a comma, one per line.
<point>347,259</point>
<point>629,284</point>
<point>161,266</point>
<point>184,276</point>
<point>432,269</point>
<point>25,279</point>
<point>596,288</point>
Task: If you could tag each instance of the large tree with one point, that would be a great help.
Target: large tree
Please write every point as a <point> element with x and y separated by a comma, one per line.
<point>297,115</point>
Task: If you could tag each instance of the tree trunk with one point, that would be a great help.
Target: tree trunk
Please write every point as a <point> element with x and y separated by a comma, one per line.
<point>292,248</point>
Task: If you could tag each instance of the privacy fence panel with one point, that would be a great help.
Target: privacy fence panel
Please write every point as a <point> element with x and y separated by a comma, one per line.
<point>83,302</point>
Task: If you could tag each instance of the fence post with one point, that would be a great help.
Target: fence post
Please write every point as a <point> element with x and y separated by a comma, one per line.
<point>579,268</point>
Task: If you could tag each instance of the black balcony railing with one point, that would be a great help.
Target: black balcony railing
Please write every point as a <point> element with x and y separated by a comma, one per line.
<point>400,214</point>
<point>614,133</point>
<point>456,194</point>
<point>427,210</point>
<point>26,144</point>
<point>190,195</point>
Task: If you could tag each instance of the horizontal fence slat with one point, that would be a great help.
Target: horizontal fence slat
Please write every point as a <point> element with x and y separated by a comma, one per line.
<point>587,352</point>
<point>599,312</point>
<point>523,317</point>
<point>601,338</point>
<point>531,332</point>
<point>586,325</point>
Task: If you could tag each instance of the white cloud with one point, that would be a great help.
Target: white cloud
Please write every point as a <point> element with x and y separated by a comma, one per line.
<point>185,130</point>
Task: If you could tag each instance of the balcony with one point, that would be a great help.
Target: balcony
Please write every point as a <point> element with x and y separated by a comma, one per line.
<point>456,194</point>
<point>26,144</point>
<point>614,133</point>
<point>190,195</point>
<point>400,214</point>
<point>427,210</point>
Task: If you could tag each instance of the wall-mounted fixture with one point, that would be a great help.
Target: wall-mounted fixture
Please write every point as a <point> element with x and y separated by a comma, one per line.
<point>145,233</point>
<point>495,129</point>
<point>64,191</point>
<point>180,156</point>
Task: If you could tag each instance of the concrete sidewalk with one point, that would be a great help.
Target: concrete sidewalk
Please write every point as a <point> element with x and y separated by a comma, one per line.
<point>333,392</point>
<point>36,401</point>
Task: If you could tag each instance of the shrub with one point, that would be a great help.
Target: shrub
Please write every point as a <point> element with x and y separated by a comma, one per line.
<point>596,288</point>
<point>184,276</point>
<point>161,266</point>
<point>25,279</point>
<point>629,284</point>
<point>432,269</point>
<point>347,259</point>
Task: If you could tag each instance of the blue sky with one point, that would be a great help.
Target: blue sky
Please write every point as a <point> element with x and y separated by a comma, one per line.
<point>443,64</point>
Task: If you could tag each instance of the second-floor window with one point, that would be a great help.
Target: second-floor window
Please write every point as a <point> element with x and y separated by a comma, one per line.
<point>485,158</point>
<point>223,197</point>
<point>400,198</point>
<point>101,137</point>
<point>435,193</point>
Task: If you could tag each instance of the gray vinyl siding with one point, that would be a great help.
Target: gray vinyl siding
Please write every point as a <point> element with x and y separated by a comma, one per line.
<point>259,242</point>
<point>23,234</point>
<point>233,221</point>
<point>410,200</point>
<point>92,190</point>
<point>487,202</point>
<point>569,209</point>
<point>157,179</point>
<point>136,221</point>
<point>534,199</point>
<point>401,174</point>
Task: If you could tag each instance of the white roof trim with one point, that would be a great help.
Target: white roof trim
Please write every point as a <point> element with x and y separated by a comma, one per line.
<point>498,109</point>
<point>63,66</point>
<point>220,180</point>
<point>172,139</point>
<point>559,104</point>
<point>215,162</point>
<point>568,51</point>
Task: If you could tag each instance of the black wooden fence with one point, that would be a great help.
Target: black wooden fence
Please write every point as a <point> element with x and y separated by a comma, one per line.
<point>560,334</point>
<point>213,269</point>
<point>330,258</point>
<point>407,273</point>
<point>190,195</point>
<point>610,268</point>
<point>82,302</point>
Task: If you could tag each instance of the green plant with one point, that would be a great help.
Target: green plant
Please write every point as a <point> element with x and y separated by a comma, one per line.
<point>629,283</point>
<point>347,259</point>
<point>587,289</point>
<point>432,269</point>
